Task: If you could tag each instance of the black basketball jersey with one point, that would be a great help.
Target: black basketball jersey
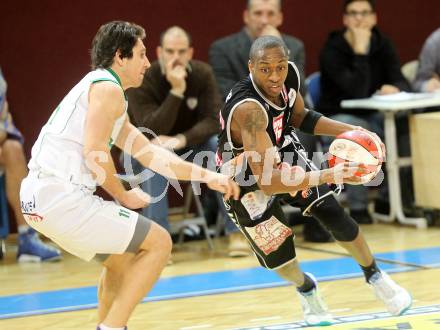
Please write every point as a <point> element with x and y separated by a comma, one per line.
<point>278,117</point>
<point>278,128</point>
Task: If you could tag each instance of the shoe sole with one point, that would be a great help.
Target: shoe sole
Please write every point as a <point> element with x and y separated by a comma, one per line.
<point>320,324</point>
<point>27,258</point>
<point>406,308</point>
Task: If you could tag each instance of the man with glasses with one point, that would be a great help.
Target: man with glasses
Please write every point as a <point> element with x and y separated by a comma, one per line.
<point>356,62</point>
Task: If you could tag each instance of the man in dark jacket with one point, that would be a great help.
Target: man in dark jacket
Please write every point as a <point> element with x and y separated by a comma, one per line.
<point>229,56</point>
<point>178,104</point>
<point>357,62</point>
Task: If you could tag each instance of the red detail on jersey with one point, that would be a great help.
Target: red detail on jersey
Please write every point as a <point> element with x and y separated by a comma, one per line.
<point>278,126</point>
<point>284,94</point>
<point>222,122</point>
<point>306,193</point>
<point>218,159</point>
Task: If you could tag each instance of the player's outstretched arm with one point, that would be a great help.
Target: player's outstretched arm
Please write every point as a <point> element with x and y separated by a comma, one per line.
<point>168,164</point>
<point>106,104</point>
<point>249,122</point>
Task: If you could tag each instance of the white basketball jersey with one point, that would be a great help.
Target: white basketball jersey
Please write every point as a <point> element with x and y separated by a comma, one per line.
<point>58,150</point>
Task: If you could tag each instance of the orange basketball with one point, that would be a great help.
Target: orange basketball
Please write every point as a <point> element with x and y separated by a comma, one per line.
<point>359,147</point>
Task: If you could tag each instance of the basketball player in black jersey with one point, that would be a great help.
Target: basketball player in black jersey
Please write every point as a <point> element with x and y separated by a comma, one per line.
<point>258,146</point>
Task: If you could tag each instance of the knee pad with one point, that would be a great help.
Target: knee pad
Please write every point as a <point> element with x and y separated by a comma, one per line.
<point>332,215</point>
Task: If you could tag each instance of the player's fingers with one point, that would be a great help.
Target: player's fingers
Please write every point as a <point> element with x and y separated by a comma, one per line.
<point>228,191</point>
<point>235,190</point>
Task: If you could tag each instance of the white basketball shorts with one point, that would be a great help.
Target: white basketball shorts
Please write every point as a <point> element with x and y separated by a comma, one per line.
<point>81,223</point>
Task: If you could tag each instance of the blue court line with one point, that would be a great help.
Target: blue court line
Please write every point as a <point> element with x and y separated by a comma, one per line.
<point>208,283</point>
<point>426,257</point>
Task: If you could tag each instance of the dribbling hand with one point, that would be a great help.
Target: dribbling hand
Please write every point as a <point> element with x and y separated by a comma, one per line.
<point>348,172</point>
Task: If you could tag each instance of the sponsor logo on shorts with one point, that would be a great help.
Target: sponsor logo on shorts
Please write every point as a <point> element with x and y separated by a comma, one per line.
<point>33,217</point>
<point>124,213</point>
<point>269,235</point>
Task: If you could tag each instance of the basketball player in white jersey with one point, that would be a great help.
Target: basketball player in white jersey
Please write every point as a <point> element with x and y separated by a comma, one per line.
<point>72,156</point>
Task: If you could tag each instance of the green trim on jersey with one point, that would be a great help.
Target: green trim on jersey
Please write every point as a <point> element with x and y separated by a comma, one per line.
<point>54,114</point>
<point>114,74</point>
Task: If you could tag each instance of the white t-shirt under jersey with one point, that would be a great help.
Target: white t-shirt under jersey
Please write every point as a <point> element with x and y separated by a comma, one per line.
<point>58,150</point>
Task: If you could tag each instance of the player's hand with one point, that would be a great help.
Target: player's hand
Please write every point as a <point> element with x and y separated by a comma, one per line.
<point>134,199</point>
<point>374,135</point>
<point>347,172</point>
<point>224,185</point>
<point>176,74</point>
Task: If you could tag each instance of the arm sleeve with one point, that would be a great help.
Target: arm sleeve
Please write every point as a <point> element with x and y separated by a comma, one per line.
<point>209,107</point>
<point>146,109</point>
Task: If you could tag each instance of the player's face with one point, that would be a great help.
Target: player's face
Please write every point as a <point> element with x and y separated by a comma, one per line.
<point>137,65</point>
<point>359,14</point>
<point>261,13</point>
<point>269,71</point>
<point>175,48</point>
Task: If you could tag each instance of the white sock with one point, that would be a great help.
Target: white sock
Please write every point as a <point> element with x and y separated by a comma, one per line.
<point>22,229</point>
<point>104,327</point>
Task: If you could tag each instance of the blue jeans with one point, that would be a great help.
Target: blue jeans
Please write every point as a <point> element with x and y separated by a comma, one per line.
<point>357,195</point>
<point>157,185</point>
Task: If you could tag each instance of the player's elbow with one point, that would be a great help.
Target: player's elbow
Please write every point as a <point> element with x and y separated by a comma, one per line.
<point>94,150</point>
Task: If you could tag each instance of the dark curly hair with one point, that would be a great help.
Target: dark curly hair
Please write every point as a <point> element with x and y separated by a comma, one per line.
<point>111,37</point>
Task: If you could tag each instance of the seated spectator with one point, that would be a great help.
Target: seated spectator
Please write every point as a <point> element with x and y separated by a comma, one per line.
<point>356,62</point>
<point>179,103</point>
<point>229,58</point>
<point>428,71</point>
<point>13,164</point>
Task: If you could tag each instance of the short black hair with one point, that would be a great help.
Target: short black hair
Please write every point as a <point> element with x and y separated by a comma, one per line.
<point>164,33</point>
<point>266,42</point>
<point>347,2</point>
<point>248,4</point>
<point>111,37</point>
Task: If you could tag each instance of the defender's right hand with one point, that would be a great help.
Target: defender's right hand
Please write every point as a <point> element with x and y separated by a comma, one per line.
<point>224,185</point>
<point>134,199</point>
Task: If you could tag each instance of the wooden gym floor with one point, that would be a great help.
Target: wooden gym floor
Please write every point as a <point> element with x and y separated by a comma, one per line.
<point>205,289</point>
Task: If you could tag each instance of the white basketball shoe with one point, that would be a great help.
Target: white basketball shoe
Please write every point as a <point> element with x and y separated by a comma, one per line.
<point>396,299</point>
<point>314,309</point>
